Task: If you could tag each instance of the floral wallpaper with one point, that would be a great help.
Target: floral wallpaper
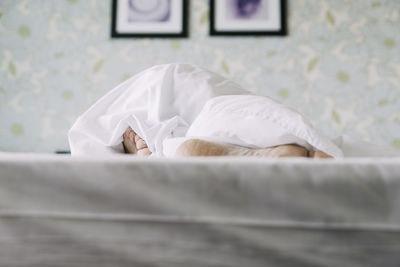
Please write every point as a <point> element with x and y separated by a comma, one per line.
<point>339,65</point>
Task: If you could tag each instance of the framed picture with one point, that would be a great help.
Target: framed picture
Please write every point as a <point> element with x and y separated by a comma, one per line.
<point>248,17</point>
<point>149,18</point>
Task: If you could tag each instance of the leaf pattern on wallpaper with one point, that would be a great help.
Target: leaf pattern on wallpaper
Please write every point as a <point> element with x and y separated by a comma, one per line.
<point>67,94</point>
<point>396,143</point>
<point>389,43</point>
<point>12,69</point>
<point>98,65</point>
<point>175,45</point>
<point>17,129</point>
<point>311,65</point>
<point>24,31</point>
<point>283,93</point>
<point>330,18</point>
<point>376,4</point>
<point>343,77</point>
<point>225,67</point>
<point>383,102</point>
<point>336,116</point>
<point>272,53</point>
<point>204,17</point>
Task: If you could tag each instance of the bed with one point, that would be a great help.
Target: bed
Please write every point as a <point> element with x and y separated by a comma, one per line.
<point>57,210</point>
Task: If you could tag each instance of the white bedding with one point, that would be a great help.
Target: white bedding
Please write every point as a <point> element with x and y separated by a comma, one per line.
<point>128,211</point>
<point>159,103</point>
<point>170,103</point>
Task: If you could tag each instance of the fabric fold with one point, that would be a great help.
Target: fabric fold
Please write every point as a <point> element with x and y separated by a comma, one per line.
<point>157,103</point>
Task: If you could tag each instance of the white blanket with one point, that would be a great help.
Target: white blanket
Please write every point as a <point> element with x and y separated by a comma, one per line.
<point>168,104</point>
<point>158,103</point>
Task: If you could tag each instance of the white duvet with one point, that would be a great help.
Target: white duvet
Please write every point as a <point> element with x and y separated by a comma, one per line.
<point>168,104</point>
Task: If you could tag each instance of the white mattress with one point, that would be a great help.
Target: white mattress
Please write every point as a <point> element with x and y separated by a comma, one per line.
<point>128,211</point>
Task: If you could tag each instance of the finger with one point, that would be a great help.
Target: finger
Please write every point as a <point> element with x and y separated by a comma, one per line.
<point>140,144</point>
<point>126,138</point>
<point>129,147</point>
<point>132,136</point>
<point>126,133</point>
<point>137,137</point>
<point>129,142</point>
<point>144,152</point>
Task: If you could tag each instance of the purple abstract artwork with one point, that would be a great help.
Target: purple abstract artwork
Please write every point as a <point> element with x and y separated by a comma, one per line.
<point>247,9</point>
<point>149,10</point>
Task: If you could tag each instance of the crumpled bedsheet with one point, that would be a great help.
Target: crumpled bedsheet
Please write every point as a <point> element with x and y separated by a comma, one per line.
<point>158,103</point>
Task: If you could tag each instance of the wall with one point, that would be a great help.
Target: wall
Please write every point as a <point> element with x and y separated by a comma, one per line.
<point>340,65</point>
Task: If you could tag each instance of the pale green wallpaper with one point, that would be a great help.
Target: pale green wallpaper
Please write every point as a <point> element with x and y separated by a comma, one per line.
<point>340,65</point>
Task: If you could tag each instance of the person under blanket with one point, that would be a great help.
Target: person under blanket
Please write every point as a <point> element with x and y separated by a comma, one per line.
<point>174,110</point>
<point>134,144</point>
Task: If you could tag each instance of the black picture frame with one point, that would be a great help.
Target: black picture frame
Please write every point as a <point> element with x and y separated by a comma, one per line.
<point>281,31</point>
<point>183,33</point>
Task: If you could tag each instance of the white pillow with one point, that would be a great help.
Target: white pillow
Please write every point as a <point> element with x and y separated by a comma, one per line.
<point>257,122</point>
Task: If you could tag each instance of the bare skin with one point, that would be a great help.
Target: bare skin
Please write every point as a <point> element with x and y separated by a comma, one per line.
<point>134,144</point>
